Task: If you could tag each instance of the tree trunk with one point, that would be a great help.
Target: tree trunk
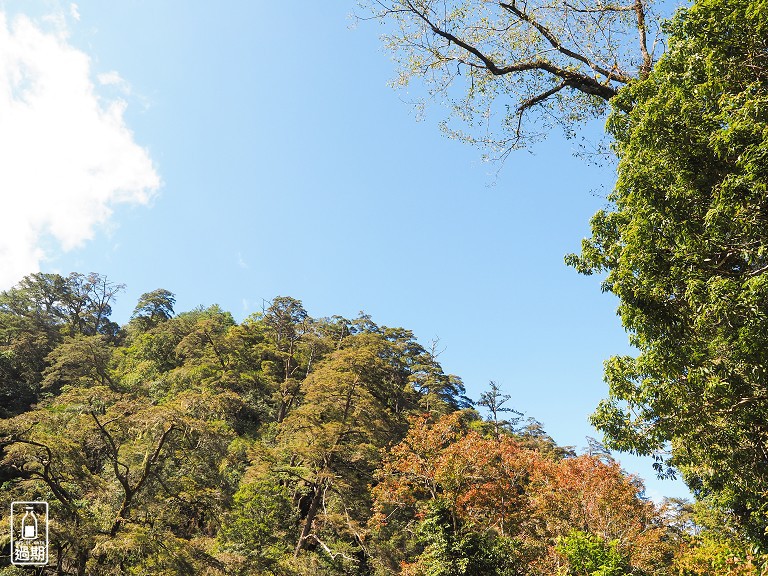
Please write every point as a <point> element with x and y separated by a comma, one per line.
<point>311,513</point>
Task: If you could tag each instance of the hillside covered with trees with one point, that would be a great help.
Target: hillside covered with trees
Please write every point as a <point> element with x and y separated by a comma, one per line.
<point>285,444</point>
<point>187,443</point>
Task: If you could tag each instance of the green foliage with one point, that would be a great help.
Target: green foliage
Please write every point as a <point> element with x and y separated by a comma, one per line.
<point>122,473</point>
<point>35,316</point>
<point>453,549</point>
<point>287,445</point>
<point>191,444</point>
<point>685,249</point>
<point>153,308</point>
<point>262,513</point>
<point>590,555</point>
<point>79,361</point>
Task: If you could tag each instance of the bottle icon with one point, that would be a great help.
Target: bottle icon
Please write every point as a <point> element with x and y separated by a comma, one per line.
<point>29,524</point>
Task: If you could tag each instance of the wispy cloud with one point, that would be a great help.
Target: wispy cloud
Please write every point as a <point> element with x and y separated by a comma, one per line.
<point>113,78</point>
<point>66,155</point>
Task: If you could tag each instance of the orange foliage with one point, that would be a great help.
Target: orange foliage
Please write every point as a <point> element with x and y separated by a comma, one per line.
<point>498,484</point>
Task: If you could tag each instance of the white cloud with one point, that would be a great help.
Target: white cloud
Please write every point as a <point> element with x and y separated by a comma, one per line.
<point>113,78</point>
<point>66,155</point>
<point>74,11</point>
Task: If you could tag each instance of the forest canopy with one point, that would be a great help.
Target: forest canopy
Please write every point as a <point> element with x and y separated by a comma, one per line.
<point>682,241</point>
<point>684,244</point>
<point>188,443</point>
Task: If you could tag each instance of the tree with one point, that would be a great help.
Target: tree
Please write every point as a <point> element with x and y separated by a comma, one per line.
<point>494,401</point>
<point>454,548</point>
<point>153,308</point>
<point>589,555</point>
<point>438,392</point>
<point>555,61</point>
<point>597,498</point>
<point>86,303</point>
<point>130,481</point>
<point>256,527</point>
<point>453,487</point>
<point>161,453</point>
<point>79,361</point>
<point>288,322</point>
<point>35,315</point>
<point>334,437</point>
<point>685,248</point>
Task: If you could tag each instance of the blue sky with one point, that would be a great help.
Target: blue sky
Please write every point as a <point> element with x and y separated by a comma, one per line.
<point>261,152</point>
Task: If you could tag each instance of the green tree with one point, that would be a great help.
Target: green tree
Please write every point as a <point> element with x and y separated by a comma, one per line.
<point>493,400</point>
<point>589,555</point>
<point>257,526</point>
<point>87,301</point>
<point>334,436</point>
<point>153,308</point>
<point>685,248</point>
<point>79,361</point>
<point>451,548</point>
<point>288,322</point>
<point>353,404</point>
<point>35,316</point>
<point>135,485</point>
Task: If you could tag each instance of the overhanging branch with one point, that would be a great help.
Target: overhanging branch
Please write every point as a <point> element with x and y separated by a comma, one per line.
<point>569,78</point>
<point>554,41</point>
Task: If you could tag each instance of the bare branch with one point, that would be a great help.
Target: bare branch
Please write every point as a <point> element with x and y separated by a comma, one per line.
<point>330,552</point>
<point>540,97</point>
<point>58,490</point>
<point>645,68</point>
<point>599,9</point>
<point>122,478</point>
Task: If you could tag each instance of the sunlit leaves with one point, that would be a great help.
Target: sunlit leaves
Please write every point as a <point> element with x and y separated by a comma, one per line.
<point>449,481</point>
<point>508,71</point>
<point>684,248</point>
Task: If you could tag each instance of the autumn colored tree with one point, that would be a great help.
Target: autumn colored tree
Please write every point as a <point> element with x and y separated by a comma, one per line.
<point>292,446</point>
<point>595,497</point>
<point>510,496</point>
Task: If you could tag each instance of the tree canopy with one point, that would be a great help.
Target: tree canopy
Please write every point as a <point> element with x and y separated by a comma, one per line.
<point>291,445</point>
<point>509,71</point>
<point>190,443</point>
<point>685,248</point>
<point>683,240</point>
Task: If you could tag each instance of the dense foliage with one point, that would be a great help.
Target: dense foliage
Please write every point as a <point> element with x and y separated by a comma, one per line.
<point>685,245</point>
<point>291,445</point>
